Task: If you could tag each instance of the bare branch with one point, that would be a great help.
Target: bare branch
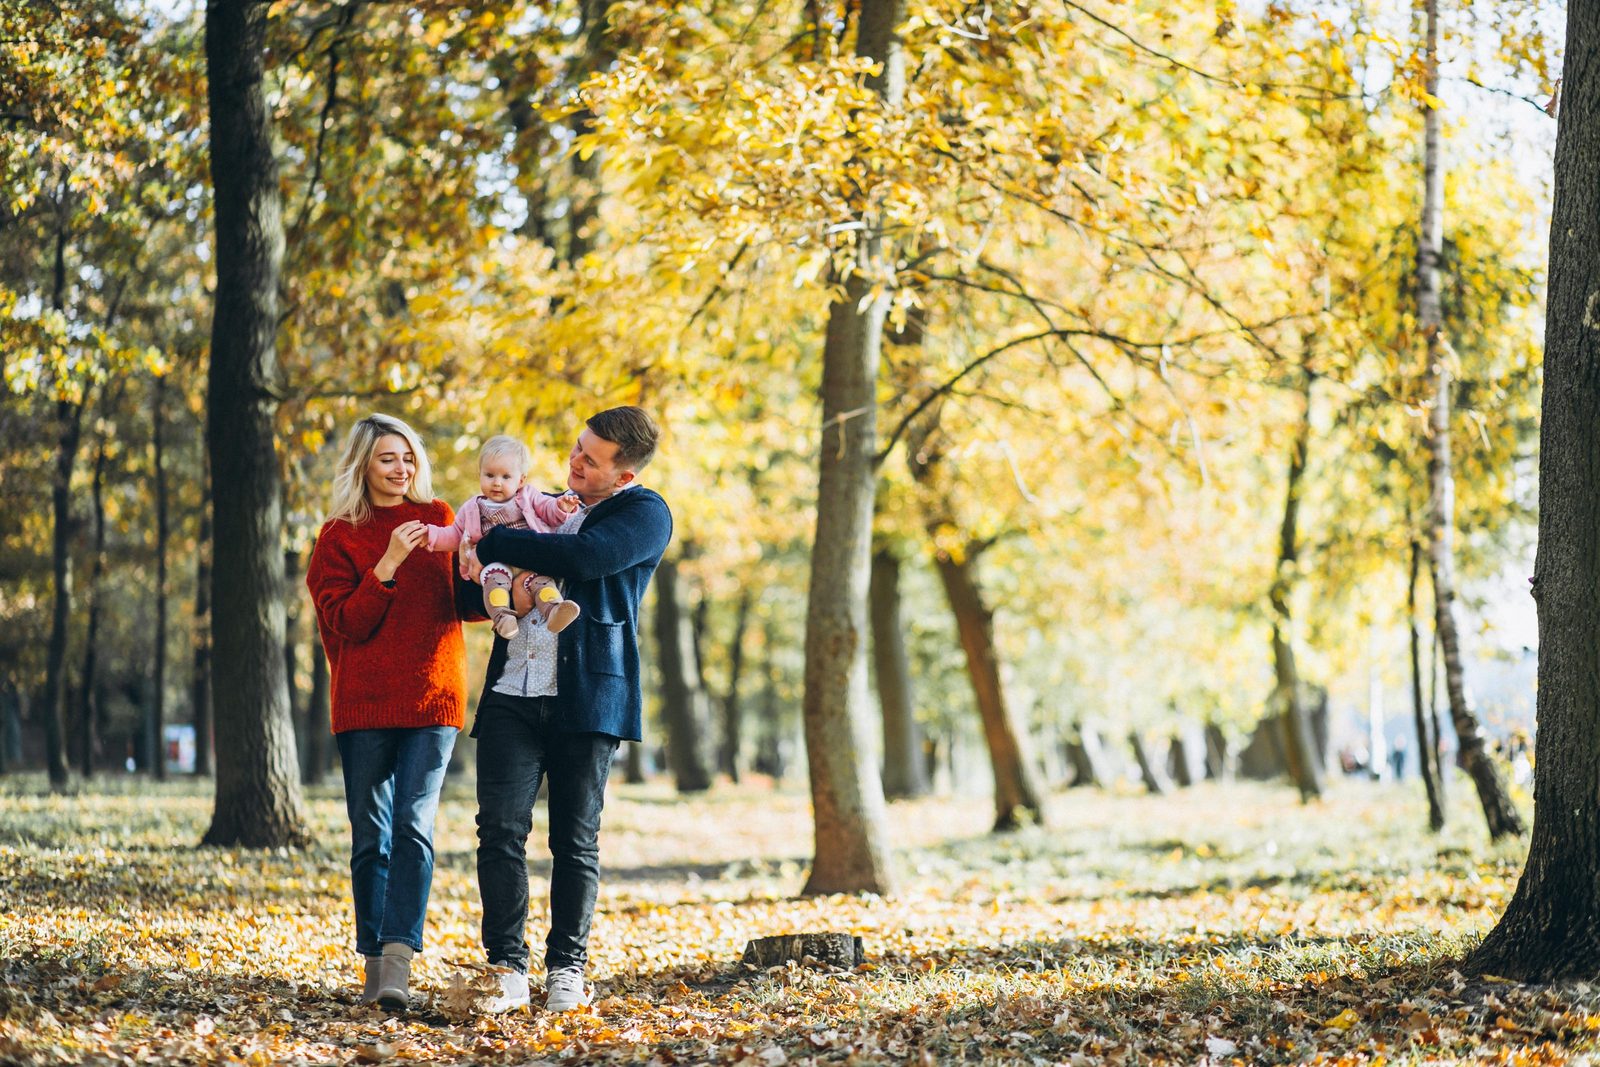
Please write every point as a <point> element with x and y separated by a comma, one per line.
<point>1306,91</point>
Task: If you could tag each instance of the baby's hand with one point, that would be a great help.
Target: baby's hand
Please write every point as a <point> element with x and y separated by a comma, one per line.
<point>568,502</point>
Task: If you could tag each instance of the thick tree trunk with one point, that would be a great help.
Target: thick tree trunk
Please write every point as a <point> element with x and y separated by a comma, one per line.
<point>729,754</point>
<point>158,702</point>
<point>849,813</point>
<point>200,682</point>
<point>1151,772</point>
<point>1498,810</point>
<point>1427,740</point>
<point>1262,758</point>
<point>683,701</point>
<point>633,763</point>
<point>88,702</point>
<point>258,801</point>
<point>1288,701</point>
<point>904,771</point>
<point>1017,797</point>
<point>1551,929</point>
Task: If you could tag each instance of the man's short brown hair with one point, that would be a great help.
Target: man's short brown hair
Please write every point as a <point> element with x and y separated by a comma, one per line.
<point>632,430</point>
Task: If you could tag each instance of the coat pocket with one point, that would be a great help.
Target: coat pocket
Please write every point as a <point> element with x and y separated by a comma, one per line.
<point>604,645</point>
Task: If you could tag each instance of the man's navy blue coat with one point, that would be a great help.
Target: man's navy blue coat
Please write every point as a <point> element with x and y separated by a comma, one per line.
<point>606,567</point>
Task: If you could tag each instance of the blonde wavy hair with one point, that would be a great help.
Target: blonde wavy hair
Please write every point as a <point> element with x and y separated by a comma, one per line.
<point>350,501</point>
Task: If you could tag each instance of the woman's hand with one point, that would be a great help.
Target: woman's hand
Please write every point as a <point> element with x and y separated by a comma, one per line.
<point>469,563</point>
<point>406,536</point>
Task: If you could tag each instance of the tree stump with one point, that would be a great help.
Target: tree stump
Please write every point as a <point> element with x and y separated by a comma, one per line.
<point>836,950</point>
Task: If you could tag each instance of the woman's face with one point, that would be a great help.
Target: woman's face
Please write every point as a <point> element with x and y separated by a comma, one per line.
<point>390,471</point>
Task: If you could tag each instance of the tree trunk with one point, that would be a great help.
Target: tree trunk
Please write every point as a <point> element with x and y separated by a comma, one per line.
<point>1151,772</point>
<point>1016,793</point>
<point>315,767</point>
<point>258,801</point>
<point>1288,701</point>
<point>11,728</point>
<point>633,763</point>
<point>1498,810</point>
<point>1262,758</point>
<point>586,166</point>
<point>769,748</point>
<point>683,702</point>
<point>299,710</point>
<point>1087,755</point>
<point>904,770</point>
<point>89,689</point>
<point>728,755</point>
<point>1551,929</point>
<point>1219,764</point>
<point>1186,757</point>
<point>828,949</point>
<point>158,703</point>
<point>200,683</point>
<point>70,416</point>
<point>849,813</point>
<point>1427,740</point>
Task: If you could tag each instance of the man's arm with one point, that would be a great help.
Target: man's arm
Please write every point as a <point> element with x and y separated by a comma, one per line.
<point>469,599</point>
<point>637,532</point>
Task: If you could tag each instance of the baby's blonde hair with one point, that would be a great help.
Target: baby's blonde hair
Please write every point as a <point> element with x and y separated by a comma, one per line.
<point>506,447</point>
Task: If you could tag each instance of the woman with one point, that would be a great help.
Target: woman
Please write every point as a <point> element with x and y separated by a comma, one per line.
<point>388,621</point>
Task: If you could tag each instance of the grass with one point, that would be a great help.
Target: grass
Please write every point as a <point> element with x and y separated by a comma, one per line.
<point>1226,923</point>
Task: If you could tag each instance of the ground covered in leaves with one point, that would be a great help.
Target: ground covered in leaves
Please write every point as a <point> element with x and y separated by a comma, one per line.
<point>1226,924</point>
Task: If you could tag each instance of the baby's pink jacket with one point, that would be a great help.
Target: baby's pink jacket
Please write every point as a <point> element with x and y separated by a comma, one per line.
<point>538,511</point>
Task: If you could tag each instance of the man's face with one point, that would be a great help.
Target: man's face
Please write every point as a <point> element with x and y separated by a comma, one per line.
<point>592,470</point>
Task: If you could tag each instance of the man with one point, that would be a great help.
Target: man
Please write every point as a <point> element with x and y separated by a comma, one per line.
<point>556,707</point>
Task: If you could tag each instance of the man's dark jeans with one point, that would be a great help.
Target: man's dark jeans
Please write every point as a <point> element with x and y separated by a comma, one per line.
<point>518,746</point>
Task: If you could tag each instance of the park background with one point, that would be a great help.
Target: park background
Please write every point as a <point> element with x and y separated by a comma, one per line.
<point>1119,341</point>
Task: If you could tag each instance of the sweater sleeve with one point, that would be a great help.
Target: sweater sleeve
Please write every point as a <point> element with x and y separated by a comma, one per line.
<point>350,600</point>
<point>448,538</point>
<point>634,534</point>
<point>546,509</point>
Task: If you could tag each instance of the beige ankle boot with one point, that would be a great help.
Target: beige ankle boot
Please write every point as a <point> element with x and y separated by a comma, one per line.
<point>394,976</point>
<point>369,991</point>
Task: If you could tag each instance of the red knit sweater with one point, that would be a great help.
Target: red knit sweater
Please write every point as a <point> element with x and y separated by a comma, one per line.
<point>396,655</point>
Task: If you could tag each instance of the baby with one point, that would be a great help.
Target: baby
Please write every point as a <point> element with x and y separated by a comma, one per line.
<point>507,500</point>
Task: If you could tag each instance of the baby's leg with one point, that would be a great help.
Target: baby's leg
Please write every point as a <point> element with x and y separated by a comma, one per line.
<point>556,612</point>
<point>496,579</point>
<point>521,594</point>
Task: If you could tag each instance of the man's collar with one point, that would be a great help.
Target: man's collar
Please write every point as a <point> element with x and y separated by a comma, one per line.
<point>615,493</point>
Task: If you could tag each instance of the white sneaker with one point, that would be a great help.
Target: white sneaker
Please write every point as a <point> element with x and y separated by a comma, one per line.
<point>564,990</point>
<point>513,995</point>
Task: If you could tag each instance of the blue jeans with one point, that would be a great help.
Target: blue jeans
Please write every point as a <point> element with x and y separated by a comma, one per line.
<point>518,746</point>
<point>391,790</point>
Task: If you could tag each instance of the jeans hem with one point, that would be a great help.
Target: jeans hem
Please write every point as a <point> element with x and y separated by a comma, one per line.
<point>414,944</point>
